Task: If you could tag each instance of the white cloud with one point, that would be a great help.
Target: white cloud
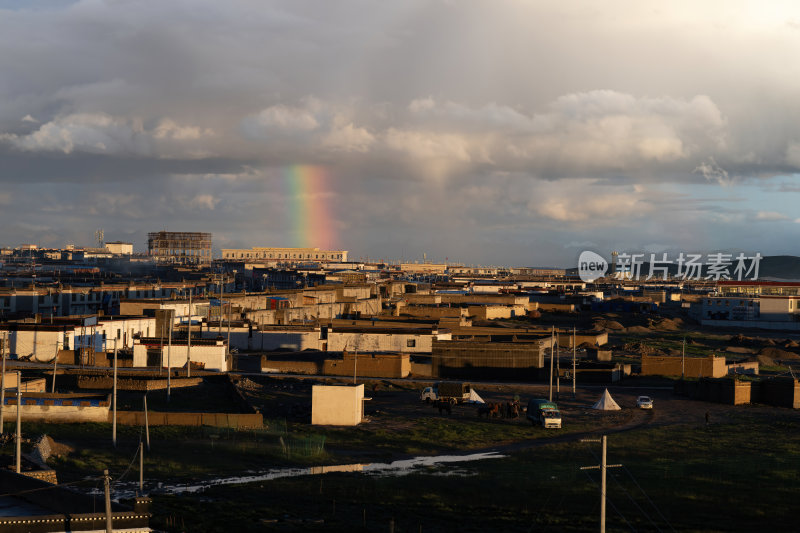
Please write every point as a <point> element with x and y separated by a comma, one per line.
<point>100,133</point>
<point>771,216</point>
<point>169,129</point>
<point>348,138</point>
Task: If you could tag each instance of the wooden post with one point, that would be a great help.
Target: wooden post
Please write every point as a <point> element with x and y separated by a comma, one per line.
<point>114,400</point>
<point>107,490</point>
<point>55,368</point>
<point>19,420</point>
<point>169,359</point>
<point>574,348</point>
<point>3,386</point>
<point>552,347</point>
<point>141,467</point>
<point>189,340</point>
<point>146,423</point>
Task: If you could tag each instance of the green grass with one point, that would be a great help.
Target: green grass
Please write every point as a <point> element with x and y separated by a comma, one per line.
<point>735,477</point>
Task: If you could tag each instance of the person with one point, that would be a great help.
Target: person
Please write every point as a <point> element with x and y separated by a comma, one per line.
<point>707,416</point>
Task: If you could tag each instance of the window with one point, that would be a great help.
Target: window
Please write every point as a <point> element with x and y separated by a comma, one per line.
<point>411,343</point>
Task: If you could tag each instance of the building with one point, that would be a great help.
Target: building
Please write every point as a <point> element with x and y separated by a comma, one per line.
<point>690,367</point>
<point>120,248</point>
<point>499,356</point>
<point>180,248</point>
<point>284,255</point>
<point>337,405</point>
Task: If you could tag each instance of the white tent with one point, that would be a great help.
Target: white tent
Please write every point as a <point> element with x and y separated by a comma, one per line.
<point>474,397</point>
<point>606,403</point>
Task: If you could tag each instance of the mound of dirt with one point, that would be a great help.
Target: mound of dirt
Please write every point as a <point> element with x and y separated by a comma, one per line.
<point>637,329</point>
<point>777,353</point>
<point>668,324</point>
<point>769,342</point>
<point>764,360</point>
<point>741,340</point>
<point>791,344</point>
<point>612,325</point>
<point>739,349</point>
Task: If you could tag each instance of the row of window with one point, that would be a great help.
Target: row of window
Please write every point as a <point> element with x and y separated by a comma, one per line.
<point>243,255</point>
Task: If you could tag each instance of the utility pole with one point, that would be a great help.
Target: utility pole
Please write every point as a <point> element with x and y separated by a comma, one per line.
<point>552,342</point>
<point>189,340</point>
<point>219,325</point>
<point>558,369</point>
<point>141,467</point>
<point>114,400</point>
<point>19,420</point>
<point>603,466</point>
<point>574,348</point>
<point>3,385</point>
<point>107,490</point>
<point>169,358</point>
<point>146,423</point>
<point>55,368</point>
<point>683,357</point>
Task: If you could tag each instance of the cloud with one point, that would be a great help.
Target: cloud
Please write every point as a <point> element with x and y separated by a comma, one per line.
<point>711,171</point>
<point>281,118</point>
<point>770,216</point>
<point>518,125</point>
<point>348,138</point>
<point>100,133</point>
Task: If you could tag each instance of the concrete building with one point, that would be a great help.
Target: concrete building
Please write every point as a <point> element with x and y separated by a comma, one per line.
<point>337,405</point>
<point>208,353</point>
<point>418,340</point>
<point>40,342</point>
<point>284,255</point>
<point>120,248</point>
<point>180,248</point>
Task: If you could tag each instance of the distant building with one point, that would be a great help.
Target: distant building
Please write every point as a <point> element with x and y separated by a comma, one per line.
<point>120,248</point>
<point>180,248</point>
<point>284,254</point>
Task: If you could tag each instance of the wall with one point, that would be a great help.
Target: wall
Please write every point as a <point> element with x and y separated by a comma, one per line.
<point>473,359</point>
<point>728,391</point>
<point>213,357</point>
<point>695,367</point>
<point>42,408</point>
<point>337,405</point>
<point>156,418</point>
<point>275,365</point>
<point>382,342</point>
<point>780,392</point>
<point>370,365</point>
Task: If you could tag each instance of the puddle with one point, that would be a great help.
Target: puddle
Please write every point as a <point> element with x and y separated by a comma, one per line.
<point>396,468</point>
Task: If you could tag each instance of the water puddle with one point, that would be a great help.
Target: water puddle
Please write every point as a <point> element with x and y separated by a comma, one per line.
<point>123,490</point>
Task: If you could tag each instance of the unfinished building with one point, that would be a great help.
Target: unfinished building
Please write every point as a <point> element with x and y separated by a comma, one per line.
<point>180,248</point>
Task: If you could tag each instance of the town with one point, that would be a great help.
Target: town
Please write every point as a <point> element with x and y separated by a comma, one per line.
<point>183,389</point>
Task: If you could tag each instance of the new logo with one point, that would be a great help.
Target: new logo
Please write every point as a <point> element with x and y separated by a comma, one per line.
<point>591,266</point>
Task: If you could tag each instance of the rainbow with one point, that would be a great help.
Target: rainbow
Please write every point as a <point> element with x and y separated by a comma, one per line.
<point>311,223</point>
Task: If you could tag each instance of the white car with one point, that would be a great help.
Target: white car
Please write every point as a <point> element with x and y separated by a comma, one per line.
<point>644,402</point>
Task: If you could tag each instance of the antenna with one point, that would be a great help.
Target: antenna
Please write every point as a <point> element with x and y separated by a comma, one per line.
<point>100,236</point>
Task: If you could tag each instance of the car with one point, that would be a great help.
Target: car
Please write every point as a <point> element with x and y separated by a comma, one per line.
<point>644,402</point>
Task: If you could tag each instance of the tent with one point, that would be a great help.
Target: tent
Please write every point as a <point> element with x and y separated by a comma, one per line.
<point>606,403</point>
<point>474,397</point>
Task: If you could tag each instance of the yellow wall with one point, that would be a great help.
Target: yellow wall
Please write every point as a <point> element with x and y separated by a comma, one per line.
<point>337,405</point>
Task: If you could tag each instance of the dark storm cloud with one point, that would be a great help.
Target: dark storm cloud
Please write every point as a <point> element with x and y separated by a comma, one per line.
<point>521,125</point>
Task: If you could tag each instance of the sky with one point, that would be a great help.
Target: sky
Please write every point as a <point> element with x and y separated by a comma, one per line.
<point>505,132</point>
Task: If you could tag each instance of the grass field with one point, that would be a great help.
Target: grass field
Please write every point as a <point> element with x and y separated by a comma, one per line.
<point>731,477</point>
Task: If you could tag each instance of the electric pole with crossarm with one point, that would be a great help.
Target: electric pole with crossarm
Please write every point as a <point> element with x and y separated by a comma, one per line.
<point>602,467</point>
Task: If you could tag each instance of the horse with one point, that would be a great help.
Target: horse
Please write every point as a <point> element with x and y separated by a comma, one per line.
<point>490,410</point>
<point>444,405</point>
